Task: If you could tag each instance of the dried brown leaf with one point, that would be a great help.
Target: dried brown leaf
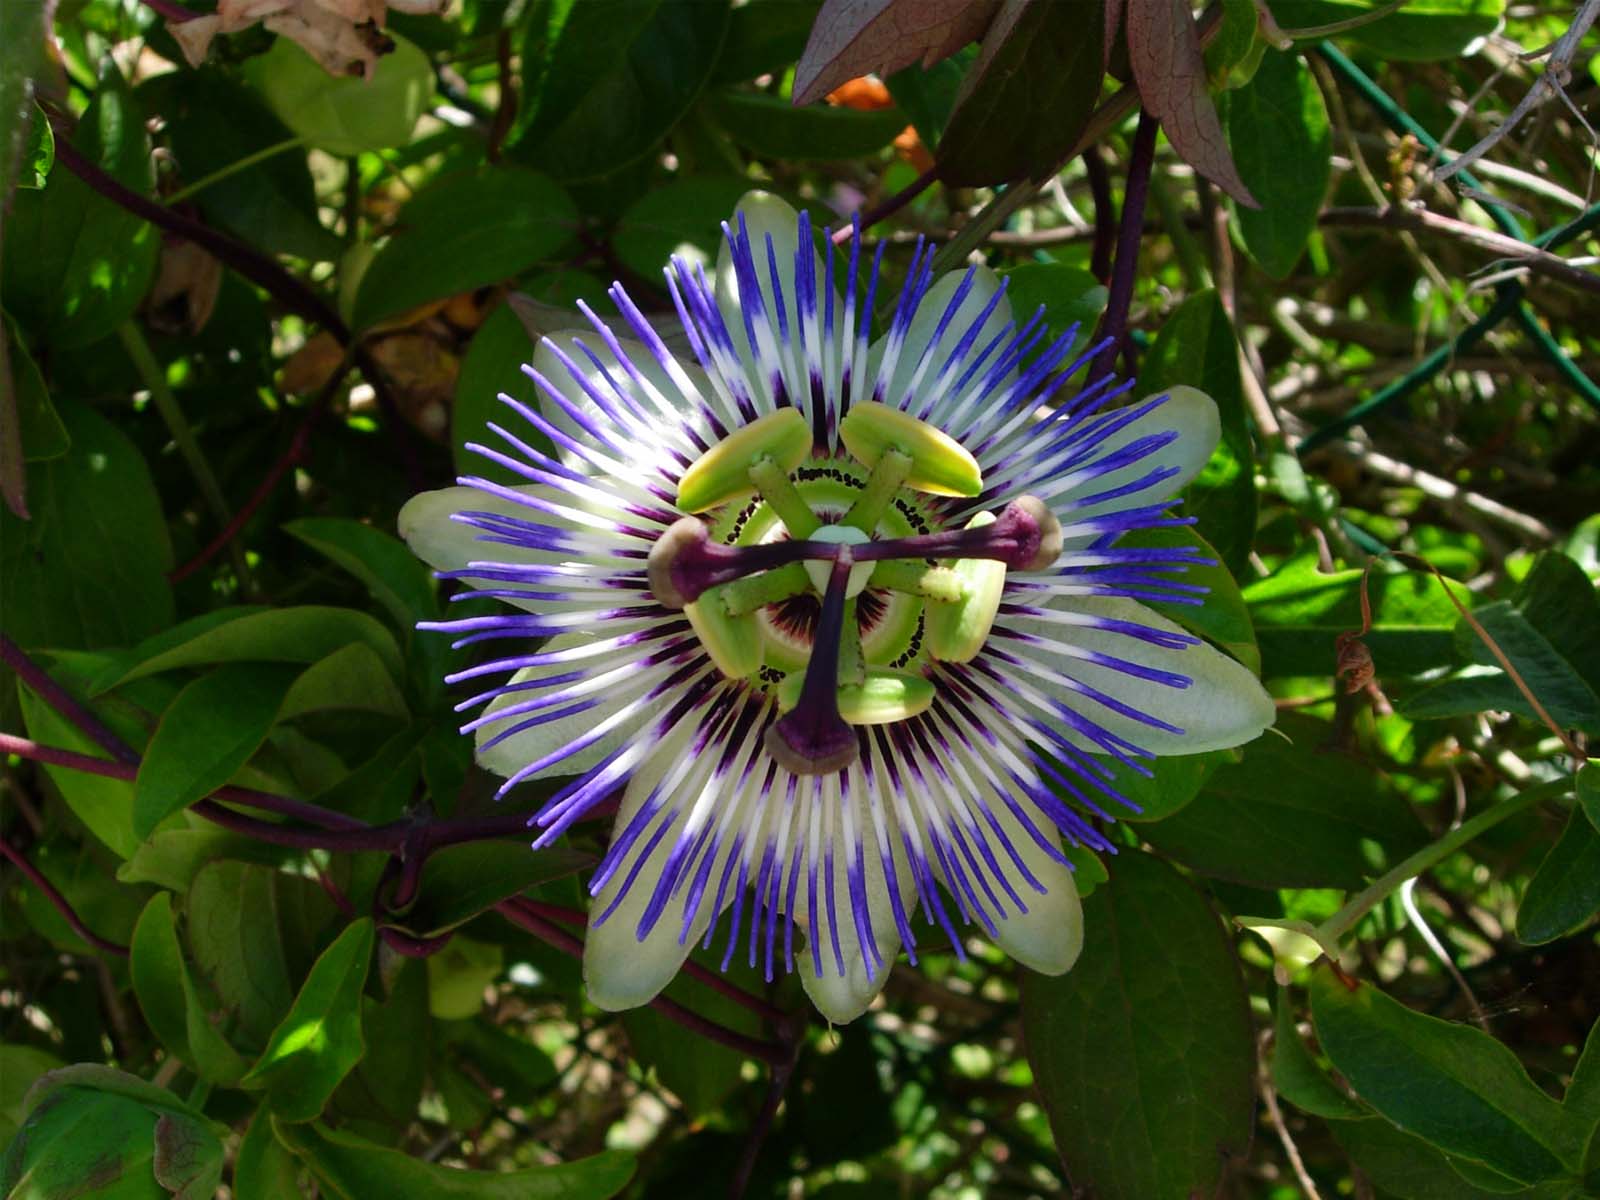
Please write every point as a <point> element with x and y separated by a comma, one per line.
<point>860,37</point>
<point>1164,51</point>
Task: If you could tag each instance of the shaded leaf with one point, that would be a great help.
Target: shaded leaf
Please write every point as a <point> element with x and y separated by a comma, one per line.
<point>764,36</point>
<point>493,364</point>
<point>1068,295</point>
<point>264,1169</point>
<point>1564,893</point>
<point>317,1043</point>
<point>1036,59</point>
<point>171,858</point>
<point>1421,31</point>
<point>156,967</point>
<point>877,37</point>
<point>352,678</point>
<point>768,126</point>
<point>678,219</point>
<point>232,930</point>
<point>351,1168</point>
<point>463,231</point>
<point>1164,50</point>
<point>1143,1053</point>
<point>1451,1084</point>
<point>1296,1075</point>
<point>1409,1168</point>
<point>459,882</point>
<point>345,115</point>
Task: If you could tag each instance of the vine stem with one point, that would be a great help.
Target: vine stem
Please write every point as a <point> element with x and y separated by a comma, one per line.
<point>1342,922</point>
<point>888,207</point>
<point>59,902</point>
<point>1114,327</point>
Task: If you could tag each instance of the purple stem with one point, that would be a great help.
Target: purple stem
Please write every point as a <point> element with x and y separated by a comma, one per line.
<point>1114,326</point>
<point>59,902</point>
<point>176,13</point>
<point>1105,221</point>
<point>885,209</point>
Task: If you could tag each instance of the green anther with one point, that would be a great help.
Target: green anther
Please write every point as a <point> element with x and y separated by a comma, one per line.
<point>882,698</point>
<point>757,591</point>
<point>772,480</point>
<point>734,642</point>
<point>954,631</point>
<point>722,473</point>
<point>917,579</point>
<point>940,465</point>
<point>888,473</point>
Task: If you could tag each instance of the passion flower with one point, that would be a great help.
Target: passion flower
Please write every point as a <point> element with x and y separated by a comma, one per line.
<point>845,622</point>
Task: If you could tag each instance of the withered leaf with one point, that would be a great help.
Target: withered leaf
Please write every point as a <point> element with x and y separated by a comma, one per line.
<point>858,37</point>
<point>1164,51</point>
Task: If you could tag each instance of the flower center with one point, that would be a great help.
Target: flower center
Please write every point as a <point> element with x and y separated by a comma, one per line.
<point>889,586</point>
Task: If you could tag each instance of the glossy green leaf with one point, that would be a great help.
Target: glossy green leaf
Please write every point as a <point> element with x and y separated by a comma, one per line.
<point>459,882</point>
<point>1564,893</point>
<point>345,115</point>
<point>89,261</point>
<point>1452,1085</point>
<point>96,1134</point>
<point>612,79</point>
<point>208,732</point>
<point>1143,1054</point>
<point>1280,107</point>
<point>464,231</point>
<point>97,532</point>
<point>304,634</point>
<point>1036,58</point>
<point>1290,814</point>
<point>214,122</point>
<point>315,1046</point>
<point>1421,31</point>
<point>157,969</point>
<point>1550,630</point>
<point>768,126</point>
<point>1196,346</point>
<point>1298,612</point>
<point>349,1168</point>
<point>264,1168</point>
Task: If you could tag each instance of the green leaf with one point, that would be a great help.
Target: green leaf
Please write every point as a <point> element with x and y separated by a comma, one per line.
<point>1422,31</point>
<point>156,966</point>
<point>1069,296</point>
<point>508,1061</point>
<point>701,1074</point>
<point>1280,107</point>
<point>305,634</point>
<point>459,975</point>
<point>1224,619</point>
<point>463,231</point>
<point>764,37</point>
<point>214,122</point>
<point>20,1067</point>
<point>353,678</point>
<point>1564,893</point>
<point>350,1168</point>
<point>1296,1075</point>
<point>1143,1053</point>
<point>1174,781</point>
<point>1588,781</point>
<point>95,1132</point>
<point>381,561</point>
<point>1196,346</point>
<point>1298,612</point>
<point>315,1046</point>
<point>171,858</point>
<point>89,262</point>
<point>26,55</point>
<point>1450,1084</point>
<point>770,127</point>
<point>493,364</point>
<point>1289,815</point>
<point>1035,59</point>
<point>232,929</point>
<point>1550,630</point>
<point>90,568</point>
<point>459,882</point>
<point>388,1084</point>
<point>612,79</point>
<point>345,115</point>
<point>1409,1168</point>
<point>264,1168</point>
<point>43,435</point>
<point>678,219</point>
<point>104,805</point>
<point>209,731</point>
<point>929,95</point>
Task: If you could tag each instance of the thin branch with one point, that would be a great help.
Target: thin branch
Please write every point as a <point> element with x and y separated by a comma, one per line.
<point>1114,325</point>
<point>59,902</point>
<point>885,209</point>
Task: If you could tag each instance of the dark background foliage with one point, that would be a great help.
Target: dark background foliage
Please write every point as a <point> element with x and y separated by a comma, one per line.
<point>257,900</point>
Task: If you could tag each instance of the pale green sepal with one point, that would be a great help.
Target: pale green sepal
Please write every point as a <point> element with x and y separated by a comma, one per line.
<point>882,698</point>
<point>734,643</point>
<point>940,465</point>
<point>954,631</point>
<point>722,473</point>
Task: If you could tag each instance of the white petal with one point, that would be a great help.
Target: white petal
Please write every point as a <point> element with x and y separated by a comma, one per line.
<point>427,525</point>
<point>930,313</point>
<point>508,757</point>
<point>1048,937</point>
<point>1224,705</point>
<point>1189,413</point>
